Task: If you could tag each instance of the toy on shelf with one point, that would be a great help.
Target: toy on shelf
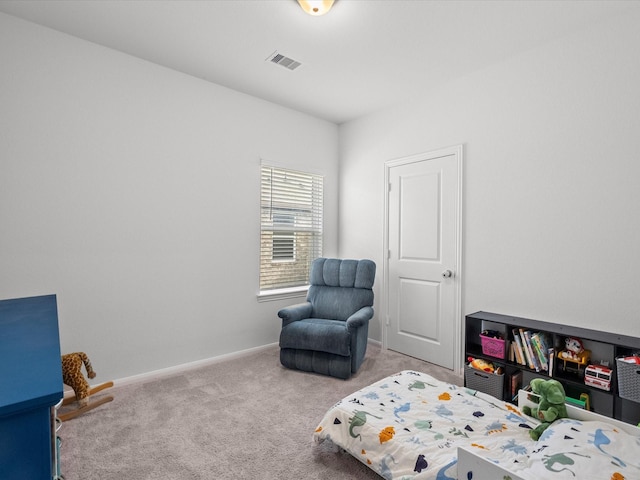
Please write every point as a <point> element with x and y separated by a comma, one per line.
<point>598,376</point>
<point>631,359</point>
<point>480,364</point>
<point>575,353</point>
<point>493,334</point>
<point>72,376</point>
<point>583,402</point>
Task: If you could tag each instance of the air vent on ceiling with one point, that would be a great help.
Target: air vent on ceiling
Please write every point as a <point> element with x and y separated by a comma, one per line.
<point>286,62</point>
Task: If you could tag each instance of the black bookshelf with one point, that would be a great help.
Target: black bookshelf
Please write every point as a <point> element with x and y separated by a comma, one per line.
<point>605,347</point>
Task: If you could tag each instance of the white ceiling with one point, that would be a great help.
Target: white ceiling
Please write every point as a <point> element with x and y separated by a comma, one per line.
<point>364,55</point>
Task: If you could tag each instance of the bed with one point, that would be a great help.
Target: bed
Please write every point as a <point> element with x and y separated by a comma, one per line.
<point>412,426</point>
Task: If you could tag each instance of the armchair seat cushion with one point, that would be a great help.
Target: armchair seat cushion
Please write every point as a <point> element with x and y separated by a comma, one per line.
<point>317,334</point>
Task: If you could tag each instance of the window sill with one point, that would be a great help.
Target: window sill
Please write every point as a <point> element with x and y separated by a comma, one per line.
<point>282,293</point>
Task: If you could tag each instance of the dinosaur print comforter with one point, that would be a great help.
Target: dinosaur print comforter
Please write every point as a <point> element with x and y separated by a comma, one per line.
<point>409,426</point>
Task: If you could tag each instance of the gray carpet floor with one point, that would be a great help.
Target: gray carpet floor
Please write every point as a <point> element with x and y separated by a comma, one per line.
<point>237,419</point>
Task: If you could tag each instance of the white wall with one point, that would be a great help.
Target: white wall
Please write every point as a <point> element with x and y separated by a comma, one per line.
<point>551,181</point>
<point>117,178</point>
<point>132,191</point>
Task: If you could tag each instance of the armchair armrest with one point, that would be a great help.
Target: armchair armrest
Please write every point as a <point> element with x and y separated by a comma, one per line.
<point>294,313</point>
<point>359,318</point>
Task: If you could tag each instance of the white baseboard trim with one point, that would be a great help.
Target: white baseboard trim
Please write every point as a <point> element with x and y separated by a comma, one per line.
<point>164,372</point>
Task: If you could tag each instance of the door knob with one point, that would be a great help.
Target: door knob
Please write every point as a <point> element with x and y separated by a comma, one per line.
<point>447,274</point>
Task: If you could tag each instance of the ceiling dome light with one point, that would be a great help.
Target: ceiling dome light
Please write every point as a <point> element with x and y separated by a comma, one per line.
<point>316,7</point>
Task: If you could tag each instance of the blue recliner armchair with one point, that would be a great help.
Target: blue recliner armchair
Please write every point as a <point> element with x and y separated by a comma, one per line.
<point>328,333</point>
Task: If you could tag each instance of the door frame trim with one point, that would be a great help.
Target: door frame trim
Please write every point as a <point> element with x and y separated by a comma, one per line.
<point>456,151</point>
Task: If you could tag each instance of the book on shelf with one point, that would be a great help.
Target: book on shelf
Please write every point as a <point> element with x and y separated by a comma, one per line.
<point>515,382</point>
<point>527,349</point>
<point>532,352</point>
<point>519,353</point>
<point>532,349</point>
<point>546,347</point>
<point>540,349</point>
<point>543,346</point>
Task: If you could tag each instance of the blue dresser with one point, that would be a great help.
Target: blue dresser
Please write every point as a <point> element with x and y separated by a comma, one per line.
<point>30,387</point>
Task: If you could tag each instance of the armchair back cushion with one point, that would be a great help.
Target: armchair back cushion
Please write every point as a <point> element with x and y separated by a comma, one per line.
<point>339,288</point>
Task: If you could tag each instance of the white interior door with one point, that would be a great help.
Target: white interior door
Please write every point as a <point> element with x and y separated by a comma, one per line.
<point>422,284</point>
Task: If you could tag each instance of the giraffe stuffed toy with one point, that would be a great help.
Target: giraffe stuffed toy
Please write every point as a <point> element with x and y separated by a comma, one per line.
<point>72,374</point>
<point>73,377</point>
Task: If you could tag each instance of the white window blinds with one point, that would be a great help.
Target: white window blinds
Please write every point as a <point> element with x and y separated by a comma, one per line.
<point>291,206</point>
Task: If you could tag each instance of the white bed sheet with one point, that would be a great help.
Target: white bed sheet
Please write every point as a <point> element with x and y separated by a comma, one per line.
<point>410,425</point>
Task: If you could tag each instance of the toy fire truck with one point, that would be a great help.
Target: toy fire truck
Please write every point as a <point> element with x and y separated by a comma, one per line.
<point>598,376</point>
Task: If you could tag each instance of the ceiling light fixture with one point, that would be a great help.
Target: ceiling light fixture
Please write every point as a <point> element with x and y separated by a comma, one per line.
<point>316,7</point>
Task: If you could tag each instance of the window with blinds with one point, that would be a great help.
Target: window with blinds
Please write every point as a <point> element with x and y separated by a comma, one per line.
<point>291,206</point>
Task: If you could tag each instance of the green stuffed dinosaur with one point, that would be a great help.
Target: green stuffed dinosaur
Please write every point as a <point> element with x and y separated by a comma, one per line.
<point>551,406</point>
